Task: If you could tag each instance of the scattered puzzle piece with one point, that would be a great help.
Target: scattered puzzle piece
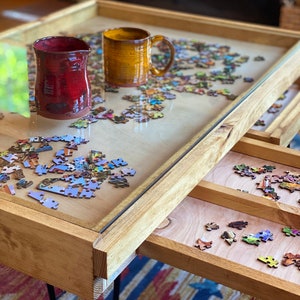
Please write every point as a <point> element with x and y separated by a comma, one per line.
<point>251,239</point>
<point>290,232</point>
<point>229,237</point>
<point>265,235</point>
<point>211,226</point>
<point>269,260</point>
<point>238,224</point>
<point>202,245</point>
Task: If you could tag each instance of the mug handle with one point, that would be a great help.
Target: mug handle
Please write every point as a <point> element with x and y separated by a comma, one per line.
<point>161,38</point>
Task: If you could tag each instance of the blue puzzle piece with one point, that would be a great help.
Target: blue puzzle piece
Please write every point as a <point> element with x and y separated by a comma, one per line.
<point>86,194</point>
<point>39,196</point>
<point>92,185</point>
<point>71,192</point>
<point>52,189</point>
<point>265,235</point>
<point>41,170</point>
<point>50,203</point>
<point>119,162</point>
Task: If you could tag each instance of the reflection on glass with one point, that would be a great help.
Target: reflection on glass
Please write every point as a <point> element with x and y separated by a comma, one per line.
<point>14,92</point>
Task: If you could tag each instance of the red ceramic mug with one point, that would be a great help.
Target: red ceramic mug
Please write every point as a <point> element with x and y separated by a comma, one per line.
<point>62,88</point>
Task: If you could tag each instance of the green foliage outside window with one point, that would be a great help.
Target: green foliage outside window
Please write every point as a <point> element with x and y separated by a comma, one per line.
<point>14,93</point>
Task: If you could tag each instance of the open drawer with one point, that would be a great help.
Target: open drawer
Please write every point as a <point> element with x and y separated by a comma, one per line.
<point>87,239</point>
<point>224,196</point>
<point>281,121</point>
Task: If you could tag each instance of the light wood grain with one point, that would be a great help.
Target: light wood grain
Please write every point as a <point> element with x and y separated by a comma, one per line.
<point>221,270</point>
<point>162,187</point>
<point>47,248</point>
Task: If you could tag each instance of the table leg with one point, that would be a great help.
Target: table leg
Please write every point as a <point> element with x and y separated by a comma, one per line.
<point>51,292</point>
<point>117,283</point>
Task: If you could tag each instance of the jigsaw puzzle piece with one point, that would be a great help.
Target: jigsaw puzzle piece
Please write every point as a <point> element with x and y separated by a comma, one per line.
<point>269,260</point>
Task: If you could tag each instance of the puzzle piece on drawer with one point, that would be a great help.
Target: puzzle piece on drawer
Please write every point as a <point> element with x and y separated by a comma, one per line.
<point>238,224</point>
<point>251,239</point>
<point>265,235</point>
<point>244,170</point>
<point>203,245</point>
<point>292,187</point>
<point>290,231</point>
<point>269,260</point>
<point>291,259</point>
<point>229,237</point>
<point>211,226</point>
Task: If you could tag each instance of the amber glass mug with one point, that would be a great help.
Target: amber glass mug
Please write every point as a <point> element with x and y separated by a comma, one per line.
<point>127,56</point>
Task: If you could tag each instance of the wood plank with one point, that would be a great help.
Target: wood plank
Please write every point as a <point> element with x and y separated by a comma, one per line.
<point>287,124</point>
<point>247,203</point>
<point>259,135</point>
<point>234,275</point>
<point>267,151</point>
<point>47,248</point>
<point>196,23</point>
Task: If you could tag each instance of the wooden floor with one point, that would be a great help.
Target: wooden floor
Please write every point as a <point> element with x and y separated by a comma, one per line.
<point>16,12</point>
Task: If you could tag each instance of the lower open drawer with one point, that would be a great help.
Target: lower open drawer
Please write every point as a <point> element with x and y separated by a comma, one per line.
<point>225,196</point>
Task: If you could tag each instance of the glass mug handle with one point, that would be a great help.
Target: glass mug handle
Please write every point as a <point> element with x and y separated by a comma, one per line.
<point>161,38</point>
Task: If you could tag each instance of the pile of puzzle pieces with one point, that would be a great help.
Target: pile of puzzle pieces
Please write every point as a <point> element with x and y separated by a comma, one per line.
<point>76,178</point>
<point>199,67</point>
<point>289,180</point>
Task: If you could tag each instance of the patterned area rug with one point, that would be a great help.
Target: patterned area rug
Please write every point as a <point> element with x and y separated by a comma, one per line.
<point>144,279</point>
<point>148,279</point>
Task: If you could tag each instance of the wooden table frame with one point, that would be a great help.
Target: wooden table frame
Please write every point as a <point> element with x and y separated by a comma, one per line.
<point>70,256</point>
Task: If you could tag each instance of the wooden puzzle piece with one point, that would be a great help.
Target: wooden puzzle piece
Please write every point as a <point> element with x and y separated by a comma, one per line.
<point>229,237</point>
<point>39,196</point>
<point>41,170</point>
<point>50,203</point>
<point>211,226</point>
<point>265,235</point>
<point>238,224</point>
<point>290,232</point>
<point>292,187</point>
<point>269,260</point>
<point>251,239</point>
<point>203,245</point>
<point>291,259</point>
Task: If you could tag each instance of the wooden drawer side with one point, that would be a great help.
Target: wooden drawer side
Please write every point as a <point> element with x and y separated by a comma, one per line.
<point>210,266</point>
